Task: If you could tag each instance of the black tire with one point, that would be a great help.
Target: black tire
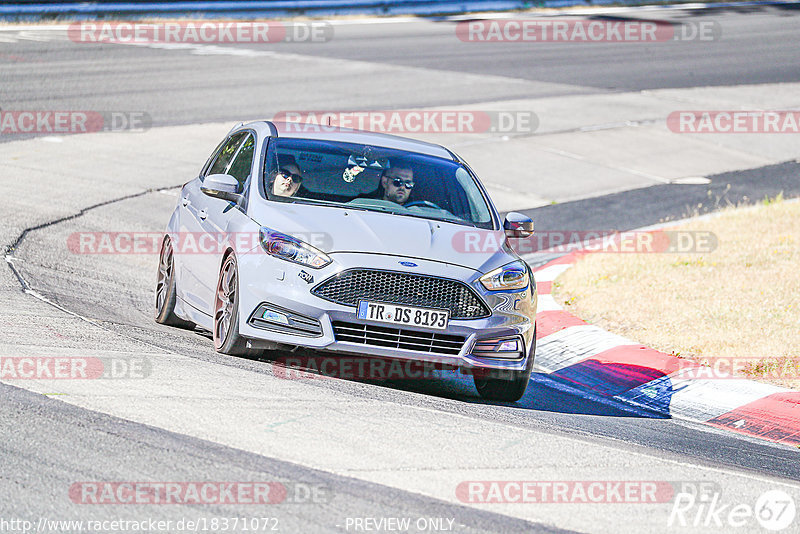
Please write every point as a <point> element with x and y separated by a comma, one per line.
<point>510,386</point>
<point>226,312</point>
<point>166,289</point>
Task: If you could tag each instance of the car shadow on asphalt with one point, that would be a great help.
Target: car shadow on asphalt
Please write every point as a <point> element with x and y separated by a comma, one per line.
<point>545,393</point>
<point>568,391</point>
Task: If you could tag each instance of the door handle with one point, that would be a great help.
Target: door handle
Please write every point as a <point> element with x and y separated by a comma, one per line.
<point>203,214</point>
<point>185,201</point>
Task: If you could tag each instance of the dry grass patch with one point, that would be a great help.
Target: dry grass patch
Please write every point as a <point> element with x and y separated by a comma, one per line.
<point>741,301</point>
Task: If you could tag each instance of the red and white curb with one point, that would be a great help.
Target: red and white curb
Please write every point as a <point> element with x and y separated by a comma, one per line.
<point>611,366</point>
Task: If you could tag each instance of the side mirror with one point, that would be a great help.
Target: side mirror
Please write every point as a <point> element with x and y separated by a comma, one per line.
<point>222,186</point>
<point>518,225</point>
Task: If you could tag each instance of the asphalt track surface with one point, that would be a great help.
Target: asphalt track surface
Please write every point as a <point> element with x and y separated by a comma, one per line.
<point>47,444</point>
<point>755,47</point>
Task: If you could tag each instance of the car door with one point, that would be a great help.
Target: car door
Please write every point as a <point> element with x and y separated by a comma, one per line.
<point>222,215</point>
<point>198,257</point>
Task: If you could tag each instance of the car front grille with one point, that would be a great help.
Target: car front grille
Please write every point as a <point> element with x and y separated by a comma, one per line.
<point>398,338</point>
<point>348,287</point>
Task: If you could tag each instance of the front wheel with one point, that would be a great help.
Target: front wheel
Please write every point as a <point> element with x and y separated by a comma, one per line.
<point>501,389</point>
<point>509,388</point>
<point>226,311</point>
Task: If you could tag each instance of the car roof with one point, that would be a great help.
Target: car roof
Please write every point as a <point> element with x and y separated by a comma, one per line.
<point>346,135</point>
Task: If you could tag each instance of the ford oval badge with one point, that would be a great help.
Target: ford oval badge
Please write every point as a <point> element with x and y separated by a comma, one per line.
<point>408,264</point>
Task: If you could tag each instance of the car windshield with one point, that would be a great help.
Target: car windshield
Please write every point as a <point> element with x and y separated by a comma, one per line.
<point>373,178</point>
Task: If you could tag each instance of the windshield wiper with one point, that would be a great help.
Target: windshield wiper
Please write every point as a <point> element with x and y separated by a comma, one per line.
<point>455,219</point>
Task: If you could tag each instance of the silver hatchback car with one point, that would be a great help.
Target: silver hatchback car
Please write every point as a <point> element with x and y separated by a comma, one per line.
<point>350,242</point>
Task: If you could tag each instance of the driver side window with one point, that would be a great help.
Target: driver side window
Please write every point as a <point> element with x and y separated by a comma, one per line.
<point>243,162</point>
<point>225,154</point>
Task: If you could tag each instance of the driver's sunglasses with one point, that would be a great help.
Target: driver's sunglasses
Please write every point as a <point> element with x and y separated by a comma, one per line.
<point>397,182</point>
<point>296,178</point>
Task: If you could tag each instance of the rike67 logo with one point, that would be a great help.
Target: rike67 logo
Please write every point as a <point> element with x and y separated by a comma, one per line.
<point>698,505</point>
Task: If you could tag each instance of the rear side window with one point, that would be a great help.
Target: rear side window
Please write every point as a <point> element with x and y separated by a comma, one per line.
<point>224,156</point>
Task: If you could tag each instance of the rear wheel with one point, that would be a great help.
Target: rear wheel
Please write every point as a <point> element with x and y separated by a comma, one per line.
<point>166,288</point>
<point>226,312</point>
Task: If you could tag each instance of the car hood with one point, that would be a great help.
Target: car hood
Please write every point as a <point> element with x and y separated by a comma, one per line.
<point>333,230</point>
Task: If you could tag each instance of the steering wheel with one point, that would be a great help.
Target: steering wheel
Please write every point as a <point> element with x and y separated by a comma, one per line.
<point>426,203</point>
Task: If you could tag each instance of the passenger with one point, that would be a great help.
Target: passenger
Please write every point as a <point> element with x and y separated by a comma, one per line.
<point>289,178</point>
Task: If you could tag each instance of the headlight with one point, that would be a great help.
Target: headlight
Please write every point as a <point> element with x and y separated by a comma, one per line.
<point>291,249</point>
<point>508,277</point>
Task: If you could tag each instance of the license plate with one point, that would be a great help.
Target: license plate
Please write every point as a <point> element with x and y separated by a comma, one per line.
<point>405,315</point>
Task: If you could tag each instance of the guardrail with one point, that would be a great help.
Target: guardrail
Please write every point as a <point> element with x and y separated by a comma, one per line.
<point>50,9</point>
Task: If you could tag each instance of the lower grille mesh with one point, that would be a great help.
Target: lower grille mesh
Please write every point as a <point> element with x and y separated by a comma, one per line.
<point>397,338</point>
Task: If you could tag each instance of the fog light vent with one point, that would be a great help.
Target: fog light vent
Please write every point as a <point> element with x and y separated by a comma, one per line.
<point>505,348</point>
<point>271,317</point>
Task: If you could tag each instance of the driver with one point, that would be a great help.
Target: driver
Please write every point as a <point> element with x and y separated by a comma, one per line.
<point>397,184</point>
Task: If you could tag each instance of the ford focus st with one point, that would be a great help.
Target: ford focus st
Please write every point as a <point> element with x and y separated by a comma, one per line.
<point>351,243</point>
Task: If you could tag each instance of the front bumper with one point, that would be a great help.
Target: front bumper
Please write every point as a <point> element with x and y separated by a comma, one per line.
<point>267,283</point>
